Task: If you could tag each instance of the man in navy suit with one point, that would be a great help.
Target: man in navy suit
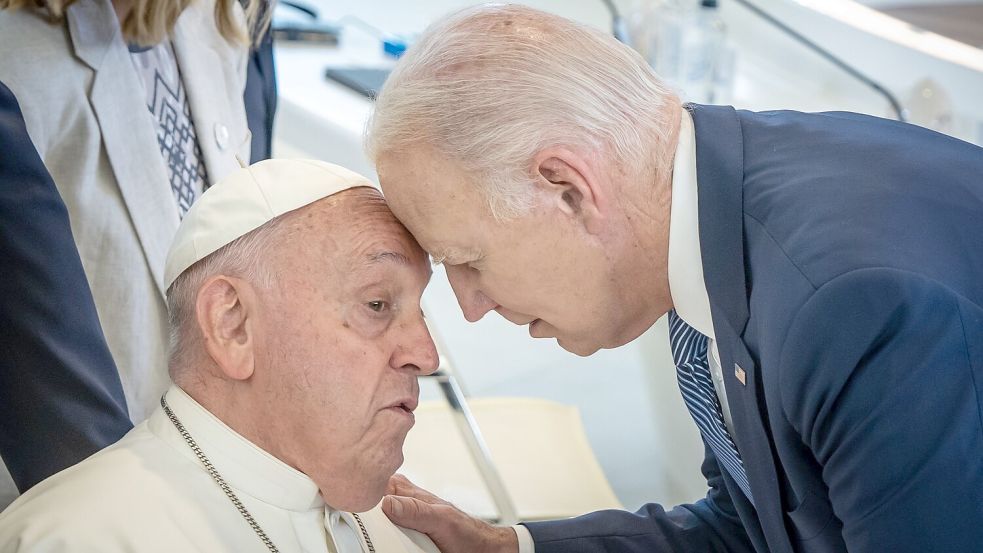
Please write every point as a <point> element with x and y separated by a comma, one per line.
<point>60,395</point>
<point>822,274</point>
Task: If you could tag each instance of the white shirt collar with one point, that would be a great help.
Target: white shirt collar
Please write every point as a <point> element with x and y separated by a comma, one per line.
<point>686,284</point>
<point>244,465</point>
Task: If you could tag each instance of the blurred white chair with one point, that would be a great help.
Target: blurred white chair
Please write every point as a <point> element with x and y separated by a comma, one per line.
<point>538,450</point>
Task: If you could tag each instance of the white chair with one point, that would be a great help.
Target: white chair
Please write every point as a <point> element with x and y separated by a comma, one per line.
<point>537,450</point>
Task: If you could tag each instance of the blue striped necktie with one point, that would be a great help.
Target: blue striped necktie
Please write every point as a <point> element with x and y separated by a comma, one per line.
<point>689,351</point>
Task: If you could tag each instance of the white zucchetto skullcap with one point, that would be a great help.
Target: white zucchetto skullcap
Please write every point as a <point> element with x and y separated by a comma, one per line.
<point>249,198</point>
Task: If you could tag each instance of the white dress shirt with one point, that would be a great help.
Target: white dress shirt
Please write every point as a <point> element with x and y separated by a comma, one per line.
<point>150,493</point>
<point>686,285</point>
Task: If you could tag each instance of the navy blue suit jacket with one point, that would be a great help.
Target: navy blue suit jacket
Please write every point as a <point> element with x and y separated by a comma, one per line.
<point>260,98</point>
<point>843,256</point>
<point>60,395</point>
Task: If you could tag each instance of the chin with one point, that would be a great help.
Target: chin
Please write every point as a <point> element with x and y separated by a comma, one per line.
<point>363,487</point>
<point>368,504</point>
<point>363,499</point>
<point>580,349</point>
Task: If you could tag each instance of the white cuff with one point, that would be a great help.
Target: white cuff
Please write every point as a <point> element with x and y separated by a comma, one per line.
<point>526,545</point>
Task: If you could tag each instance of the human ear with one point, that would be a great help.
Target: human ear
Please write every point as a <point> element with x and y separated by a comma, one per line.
<point>571,184</point>
<point>225,311</point>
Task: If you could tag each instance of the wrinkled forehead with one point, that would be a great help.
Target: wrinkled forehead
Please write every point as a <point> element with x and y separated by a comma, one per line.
<point>376,235</point>
<point>363,232</point>
<point>436,199</point>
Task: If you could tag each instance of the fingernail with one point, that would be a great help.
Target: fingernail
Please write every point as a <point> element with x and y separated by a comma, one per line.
<point>395,506</point>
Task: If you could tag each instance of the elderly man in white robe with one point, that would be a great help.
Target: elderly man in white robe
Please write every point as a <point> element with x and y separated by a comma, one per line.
<point>294,299</point>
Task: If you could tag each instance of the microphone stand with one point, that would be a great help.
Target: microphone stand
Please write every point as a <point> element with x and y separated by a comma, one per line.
<point>829,56</point>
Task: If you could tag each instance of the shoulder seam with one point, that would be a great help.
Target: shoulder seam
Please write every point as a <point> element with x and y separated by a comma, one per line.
<point>894,270</point>
<point>781,249</point>
<point>969,362</point>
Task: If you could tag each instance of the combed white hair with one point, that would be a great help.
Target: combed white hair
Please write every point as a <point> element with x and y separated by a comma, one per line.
<point>490,86</point>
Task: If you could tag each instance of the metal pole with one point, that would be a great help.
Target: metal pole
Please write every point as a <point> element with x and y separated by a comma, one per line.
<point>468,427</point>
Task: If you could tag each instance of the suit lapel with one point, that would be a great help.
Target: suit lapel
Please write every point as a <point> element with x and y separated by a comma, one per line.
<point>720,170</point>
<point>119,105</point>
<point>205,61</point>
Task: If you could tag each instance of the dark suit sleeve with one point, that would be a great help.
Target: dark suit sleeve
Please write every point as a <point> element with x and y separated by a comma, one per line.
<point>709,525</point>
<point>260,98</point>
<point>882,378</point>
<point>60,394</point>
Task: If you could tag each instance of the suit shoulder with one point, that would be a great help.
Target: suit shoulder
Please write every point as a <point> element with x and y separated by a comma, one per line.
<point>868,320</point>
<point>878,299</point>
<point>847,138</point>
<point>30,40</point>
<point>841,192</point>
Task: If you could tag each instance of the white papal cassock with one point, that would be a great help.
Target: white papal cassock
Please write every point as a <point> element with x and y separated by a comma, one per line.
<point>150,493</point>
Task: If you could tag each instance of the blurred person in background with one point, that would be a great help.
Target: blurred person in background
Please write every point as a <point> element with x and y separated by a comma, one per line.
<point>135,107</point>
<point>60,395</point>
<point>261,91</point>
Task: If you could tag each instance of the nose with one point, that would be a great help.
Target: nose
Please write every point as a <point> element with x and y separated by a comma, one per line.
<point>417,351</point>
<point>464,281</point>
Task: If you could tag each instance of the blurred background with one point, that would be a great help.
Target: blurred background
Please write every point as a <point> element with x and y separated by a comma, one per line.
<point>920,61</point>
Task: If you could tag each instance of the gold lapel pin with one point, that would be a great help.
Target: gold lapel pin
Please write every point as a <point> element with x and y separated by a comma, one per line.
<point>740,374</point>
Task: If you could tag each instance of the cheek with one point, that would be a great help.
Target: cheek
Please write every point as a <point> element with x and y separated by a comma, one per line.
<point>545,266</point>
<point>346,374</point>
<point>336,410</point>
<point>320,365</point>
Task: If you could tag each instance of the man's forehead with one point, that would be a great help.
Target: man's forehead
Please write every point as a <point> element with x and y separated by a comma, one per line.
<point>413,201</point>
<point>386,256</point>
<point>387,261</point>
<point>435,199</point>
<point>420,178</point>
<point>443,252</point>
<point>385,243</point>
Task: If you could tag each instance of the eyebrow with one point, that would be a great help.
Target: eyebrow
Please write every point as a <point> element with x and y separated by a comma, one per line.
<point>388,257</point>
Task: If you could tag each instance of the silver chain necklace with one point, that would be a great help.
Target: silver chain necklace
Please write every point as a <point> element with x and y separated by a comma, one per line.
<point>228,490</point>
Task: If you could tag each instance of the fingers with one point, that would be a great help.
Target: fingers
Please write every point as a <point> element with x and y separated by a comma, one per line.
<point>413,513</point>
<point>451,530</point>
<point>399,485</point>
<point>403,511</point>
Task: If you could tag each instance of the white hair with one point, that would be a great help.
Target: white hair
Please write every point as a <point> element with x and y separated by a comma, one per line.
<point>246,257</point>
<point>490,86</point>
